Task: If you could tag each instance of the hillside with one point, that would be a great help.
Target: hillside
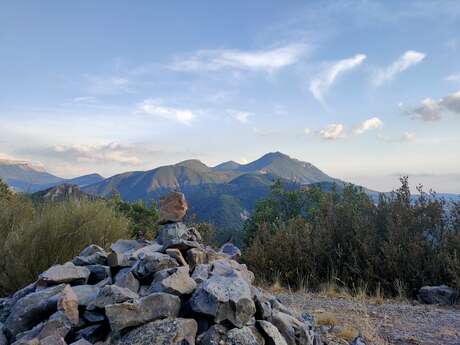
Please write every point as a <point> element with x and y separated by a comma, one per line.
<point>29,178</point>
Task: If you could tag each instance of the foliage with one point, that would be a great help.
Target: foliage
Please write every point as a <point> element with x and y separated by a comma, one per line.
<point>314,236</point>
<point>36,237</point>
<point>143,218</point>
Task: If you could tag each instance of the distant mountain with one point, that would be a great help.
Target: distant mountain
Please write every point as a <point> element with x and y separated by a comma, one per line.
<point>29,178</point>
<point>62,192</point>
<point>224,195</point>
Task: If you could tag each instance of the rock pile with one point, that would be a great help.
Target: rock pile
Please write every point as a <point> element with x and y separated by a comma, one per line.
<point>173,290</point>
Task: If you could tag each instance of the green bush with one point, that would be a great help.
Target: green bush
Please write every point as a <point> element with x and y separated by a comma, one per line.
<point>35,238</point>
<point>314,236</point>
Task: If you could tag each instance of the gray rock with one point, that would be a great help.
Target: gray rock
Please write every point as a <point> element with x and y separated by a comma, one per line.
<point>86,294</point>
<point>359,340</point>
<point>225,267</point>
<point>215,335</point>
<point>122,250</point>
<point>226,298</point>
<point>32,309</point>
<point>173,231</point>
<point>58,324</point>
<point>3,340</point>
<point>112,294</point>
<point>126,279</point>
<point>442,295</point>
<point>201,273</point>
<point>176,254</point>
<point>196,256</point>
<point>67,273</point>
<point>148,265</point>
<point>91,255</point>
<point>93,317</point>
<point>165,332</point>
<point>98,273</point>
<point>149,249</point>
<point>93,333</point>
<point>263,305</point>
<point>271,333</point>
<point>175,281</point>
<point>181,244</point>
<point>53,340</point>
<point>244,336</point>
<point>231,250</point>
<point>152,307</point>
<point>68,304</point>
<point>294,331</point>
<point>81,342</point>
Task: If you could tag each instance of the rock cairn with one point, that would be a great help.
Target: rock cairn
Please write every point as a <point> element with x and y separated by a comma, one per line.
<point>173,290</point>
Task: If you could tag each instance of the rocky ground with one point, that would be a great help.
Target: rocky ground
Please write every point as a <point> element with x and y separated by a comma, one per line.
<point>385,322</point>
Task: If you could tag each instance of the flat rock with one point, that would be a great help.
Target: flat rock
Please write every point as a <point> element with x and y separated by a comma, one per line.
<point>67,273</point>
<point>152,307</point>
<point>162,332</point>
<point>98,273</point>
<point>201,273</point>
<point>91,255</point>
<point>81,342</point>
<point>58,324</point>
<point>231,250</point>
<point>176,254</point>
<point>32,309</point>
<point>173,208</point>
<point>112,294</point>
<point>53,340</point>
<point>86,294</point>
<point>175,281</point>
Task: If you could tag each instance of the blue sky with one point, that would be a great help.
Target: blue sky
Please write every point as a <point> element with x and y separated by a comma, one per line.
<point>365,90</point>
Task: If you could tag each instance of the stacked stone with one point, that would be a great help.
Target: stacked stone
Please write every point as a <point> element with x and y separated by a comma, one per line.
<point>173,290</point>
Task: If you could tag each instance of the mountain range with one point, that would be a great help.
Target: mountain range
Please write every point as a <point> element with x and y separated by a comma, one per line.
<point>224,195</point>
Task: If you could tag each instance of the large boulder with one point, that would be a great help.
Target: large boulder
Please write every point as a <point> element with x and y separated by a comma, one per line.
<point>3,340</point>
<point>244,336</point>
<point>162,332</point>
<point>86,294</point>
<point>98,273</point>
<point>33,309</point>
<point>122,252</point>
<point>175,281</point>
<point>152,307</point>
<point>294,331</point>
<point>271,333</point>
<point>225,298</point>
<point>173,208</point>
<point>231,250</point>
<point>67,273</point>
<point>442,295</point>
<point>126,279</point>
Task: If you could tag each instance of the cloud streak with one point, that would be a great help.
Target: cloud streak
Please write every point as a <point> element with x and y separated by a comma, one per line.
<point>332,131</point>
<point>320,85</point>
<point>372,123</point>
<point>433,110</point>
<point>153,108</point>
<point>258,60</point>
<point>408,59</point>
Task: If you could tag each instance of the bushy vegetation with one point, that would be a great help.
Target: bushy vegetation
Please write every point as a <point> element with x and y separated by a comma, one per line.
<point>398,244</point>
<point>35,237</point>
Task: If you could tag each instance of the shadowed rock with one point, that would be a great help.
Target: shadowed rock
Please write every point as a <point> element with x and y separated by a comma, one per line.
<point>442,294</point>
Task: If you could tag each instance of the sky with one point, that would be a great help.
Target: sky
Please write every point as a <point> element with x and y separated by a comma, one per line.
<point>365,90</point>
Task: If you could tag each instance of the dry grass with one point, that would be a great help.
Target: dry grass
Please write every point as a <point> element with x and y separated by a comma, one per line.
<point>348,333</point>
<point>326,319</point>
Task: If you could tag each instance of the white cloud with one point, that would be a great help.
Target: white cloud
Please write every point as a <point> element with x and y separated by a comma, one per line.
<point>372,123</point>
<point>111,152</point>
<point>408,137</point>
<point>307,131</point>
<point>258,60</point>
<point>454,78</point>
<point>332,132</point>
<point>325,80</point>
<point>433,110</point>
<point>240,116</point>
<point>408,59</point>
<point>152,107</point>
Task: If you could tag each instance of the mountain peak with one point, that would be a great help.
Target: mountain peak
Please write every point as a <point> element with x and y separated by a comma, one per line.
<point>194,164</point>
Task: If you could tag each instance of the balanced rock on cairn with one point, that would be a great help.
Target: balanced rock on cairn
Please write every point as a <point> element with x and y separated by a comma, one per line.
<point>170,291</point>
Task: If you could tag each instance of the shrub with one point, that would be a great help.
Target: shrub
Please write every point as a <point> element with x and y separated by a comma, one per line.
<point>36,238</point>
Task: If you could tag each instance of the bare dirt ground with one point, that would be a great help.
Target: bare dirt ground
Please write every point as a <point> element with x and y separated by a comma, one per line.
<point>340,319</point>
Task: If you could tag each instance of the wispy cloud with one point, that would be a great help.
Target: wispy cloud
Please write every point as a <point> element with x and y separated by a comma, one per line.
<point>326,79</point>
<point>433,110</point>
<point>454,78</point>
<point>332,131</point>
<point>153,108</point>
<point>240,116</point>
<point>268,60</point>
<point>408,59</point>
<point>372,123</point>
<point>403,138</point>
<point>104,153</point>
